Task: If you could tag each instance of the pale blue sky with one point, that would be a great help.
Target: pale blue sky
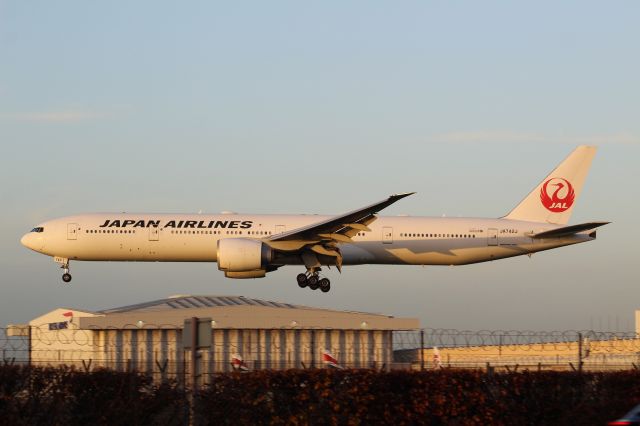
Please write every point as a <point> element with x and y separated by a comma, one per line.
<point>292,107</point>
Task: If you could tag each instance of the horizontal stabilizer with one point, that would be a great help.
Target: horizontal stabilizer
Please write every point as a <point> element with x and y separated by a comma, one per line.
<point>568,230</point>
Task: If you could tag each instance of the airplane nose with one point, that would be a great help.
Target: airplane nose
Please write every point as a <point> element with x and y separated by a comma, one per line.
<point>29,241</point>
<point>26,240</point>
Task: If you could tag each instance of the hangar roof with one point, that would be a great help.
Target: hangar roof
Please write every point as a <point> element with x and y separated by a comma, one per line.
<point>227,312</point>
<point>188,302</point>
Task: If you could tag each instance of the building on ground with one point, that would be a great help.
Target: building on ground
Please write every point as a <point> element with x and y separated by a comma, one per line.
<point>253,333</point>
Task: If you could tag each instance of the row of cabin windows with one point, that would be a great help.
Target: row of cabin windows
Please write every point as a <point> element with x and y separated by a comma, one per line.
<point>196,232</point>
<point>110,231</point>
<point>132,231</point>
<point>232,232</point>
<point>406,234</point>
<point>438,235</point>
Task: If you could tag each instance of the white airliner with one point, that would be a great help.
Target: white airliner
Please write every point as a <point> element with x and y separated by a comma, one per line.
<point>249,245</point>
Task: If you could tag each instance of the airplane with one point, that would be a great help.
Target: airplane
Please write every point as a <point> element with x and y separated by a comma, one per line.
<point>252,245</point>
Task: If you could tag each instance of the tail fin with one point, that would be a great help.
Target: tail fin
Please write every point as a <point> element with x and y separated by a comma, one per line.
<point>552,201</point>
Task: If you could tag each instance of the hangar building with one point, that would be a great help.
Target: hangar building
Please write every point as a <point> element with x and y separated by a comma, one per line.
<point>255,333</point>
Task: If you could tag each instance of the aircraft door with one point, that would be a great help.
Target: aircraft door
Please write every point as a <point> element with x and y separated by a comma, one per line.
<point>279,229</point>
<point>72,231</point>
<point>154,233</point>
<point>492,237</point>
<point>387,235</point>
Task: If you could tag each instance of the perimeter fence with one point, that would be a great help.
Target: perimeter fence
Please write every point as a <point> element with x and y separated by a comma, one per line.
<point>148,375</point>
<point>159,350</point>
<point>516,349</point>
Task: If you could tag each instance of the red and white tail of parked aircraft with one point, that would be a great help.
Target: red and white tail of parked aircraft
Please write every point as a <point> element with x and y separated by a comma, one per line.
<point>250,245</point>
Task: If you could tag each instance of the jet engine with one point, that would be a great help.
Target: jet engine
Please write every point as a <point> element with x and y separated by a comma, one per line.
<point>261,273</point>
<point>243,258</point>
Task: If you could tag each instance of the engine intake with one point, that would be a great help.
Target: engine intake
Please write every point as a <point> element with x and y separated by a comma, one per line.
<point>243,255</point>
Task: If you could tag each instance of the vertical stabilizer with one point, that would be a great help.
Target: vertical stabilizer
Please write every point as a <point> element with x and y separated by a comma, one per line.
<point>553,200</point>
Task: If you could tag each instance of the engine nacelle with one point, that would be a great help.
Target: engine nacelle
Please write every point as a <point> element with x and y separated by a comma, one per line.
<point>244,275</point>
<point>236,255</point>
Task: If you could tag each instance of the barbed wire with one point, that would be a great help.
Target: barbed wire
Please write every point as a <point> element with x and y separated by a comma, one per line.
<point>516,340</point>
<point>17,339</point>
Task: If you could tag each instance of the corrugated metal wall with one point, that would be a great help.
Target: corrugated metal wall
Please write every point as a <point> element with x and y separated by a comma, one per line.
<point>159,352</point>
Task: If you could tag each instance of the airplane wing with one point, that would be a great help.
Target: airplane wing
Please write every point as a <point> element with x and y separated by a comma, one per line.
<point>322,237</point>
<point>568,230</point>
<point>338,227</point>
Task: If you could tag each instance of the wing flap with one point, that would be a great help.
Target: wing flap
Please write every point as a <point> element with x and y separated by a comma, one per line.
<point>358,226</point>
<point>289,245</point>
<point>336,237</point>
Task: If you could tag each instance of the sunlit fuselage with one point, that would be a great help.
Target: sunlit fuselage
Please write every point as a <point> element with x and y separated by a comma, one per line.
<point>193,238</point>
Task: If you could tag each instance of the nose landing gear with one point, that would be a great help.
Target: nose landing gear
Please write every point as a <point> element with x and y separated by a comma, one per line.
<point>66,277</point>
<point>312,280</point>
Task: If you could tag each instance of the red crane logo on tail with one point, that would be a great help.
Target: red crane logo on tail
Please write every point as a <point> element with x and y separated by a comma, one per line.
<point>561,198</point>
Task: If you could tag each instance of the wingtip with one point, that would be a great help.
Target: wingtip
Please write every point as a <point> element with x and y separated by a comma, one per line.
<point>403,194</point>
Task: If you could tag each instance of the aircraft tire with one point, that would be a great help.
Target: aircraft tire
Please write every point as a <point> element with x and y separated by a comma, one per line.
<point>325,285</point>
<point>313,282</point>
<point>302,280</point>
<point>66,278</point>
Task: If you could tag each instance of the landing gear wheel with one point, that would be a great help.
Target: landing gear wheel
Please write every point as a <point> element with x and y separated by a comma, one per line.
<point>302,280</point>
<point>325,285</point>
<point>64,265</point>
<point>313,282</point>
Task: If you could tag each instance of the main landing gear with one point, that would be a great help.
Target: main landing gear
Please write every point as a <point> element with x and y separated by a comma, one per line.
<point>312,280</point>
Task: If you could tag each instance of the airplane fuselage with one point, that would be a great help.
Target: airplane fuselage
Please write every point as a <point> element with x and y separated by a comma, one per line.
<point>403,240</point>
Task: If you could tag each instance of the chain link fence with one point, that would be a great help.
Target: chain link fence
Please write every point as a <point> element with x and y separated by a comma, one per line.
<point>158,350</point>
<point>514,349</point>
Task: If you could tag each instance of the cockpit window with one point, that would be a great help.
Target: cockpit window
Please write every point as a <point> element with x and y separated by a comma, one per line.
<point>38,229</point>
